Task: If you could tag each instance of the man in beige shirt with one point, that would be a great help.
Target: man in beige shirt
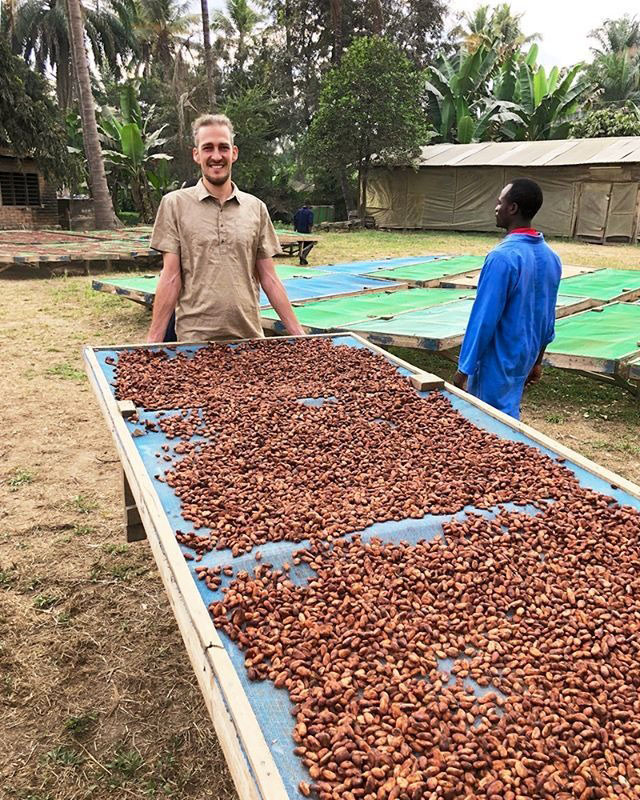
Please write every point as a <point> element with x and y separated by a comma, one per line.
<point>218,245</point>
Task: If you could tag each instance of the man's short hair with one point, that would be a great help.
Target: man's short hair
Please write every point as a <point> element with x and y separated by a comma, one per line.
<point>211,119</point>
<point>527,195</point>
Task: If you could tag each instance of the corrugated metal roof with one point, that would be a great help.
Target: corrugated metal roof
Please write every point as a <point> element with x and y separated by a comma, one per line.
<point>553,153</point>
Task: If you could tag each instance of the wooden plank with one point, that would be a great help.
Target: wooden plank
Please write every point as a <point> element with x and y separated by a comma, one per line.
<point>426,381</point>
<point>133,527</point>
<point>127,408</point>
<point>601,366</point>
<point>414,342</point>
<point>581,305</point>
<point>250,761</point>
<point>143,298</point>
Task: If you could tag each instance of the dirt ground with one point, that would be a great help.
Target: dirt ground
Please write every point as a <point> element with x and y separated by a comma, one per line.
<point>97,697</point>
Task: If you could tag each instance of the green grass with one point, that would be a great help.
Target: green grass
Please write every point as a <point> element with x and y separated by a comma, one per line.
<point>66,372</point>
<point>20,477</point>
<point>623,446</point>
<point>83,530</point>
<point>125,763</point>
<point>7,579</point>
<point>84,504</point>
<point>115,549</point>
<point>64,756</point>
<point>45,601</point>
<point>63,619</point>
<point>79,726</point>
<point>118,563</point>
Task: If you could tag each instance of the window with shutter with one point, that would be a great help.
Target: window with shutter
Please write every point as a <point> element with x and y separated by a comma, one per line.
<point>19,189</point>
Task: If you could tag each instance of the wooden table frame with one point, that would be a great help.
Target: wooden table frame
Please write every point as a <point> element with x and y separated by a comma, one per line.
<point>247,753</point>
<point>293,246</point>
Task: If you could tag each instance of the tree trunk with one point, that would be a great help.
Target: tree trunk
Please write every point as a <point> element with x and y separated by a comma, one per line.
<point>363,182</point>
<point>346,189</point>
<point>377,17</point>
<point>336,57</point>
<point>103,207</point>
<point>208,56</point>
<point>288,58</point>
<point>336,25</point>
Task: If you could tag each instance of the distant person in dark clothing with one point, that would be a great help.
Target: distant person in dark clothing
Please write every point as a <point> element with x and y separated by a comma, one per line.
<point>303,223</point>
<point>303,219</point>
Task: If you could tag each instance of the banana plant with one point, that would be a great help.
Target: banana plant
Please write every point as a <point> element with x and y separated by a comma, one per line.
<point>460,104</point>
<point>129,148</point>
<point>544,103</point>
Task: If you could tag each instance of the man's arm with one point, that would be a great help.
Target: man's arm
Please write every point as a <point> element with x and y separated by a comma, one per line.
<point>491,297</point>
<point>536,370</point>
<point>167,294</point>
<point>277,295</point>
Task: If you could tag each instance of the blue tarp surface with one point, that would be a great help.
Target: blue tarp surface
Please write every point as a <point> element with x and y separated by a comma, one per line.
<point>327,285</point>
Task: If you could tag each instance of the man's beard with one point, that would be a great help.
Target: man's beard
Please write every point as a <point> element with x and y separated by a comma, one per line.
<point>219,181</point>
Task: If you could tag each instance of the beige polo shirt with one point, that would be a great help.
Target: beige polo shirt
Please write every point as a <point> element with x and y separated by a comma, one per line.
<point>218,246</point>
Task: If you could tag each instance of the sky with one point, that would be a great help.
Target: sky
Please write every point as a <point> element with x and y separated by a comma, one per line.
<point>564,24</point>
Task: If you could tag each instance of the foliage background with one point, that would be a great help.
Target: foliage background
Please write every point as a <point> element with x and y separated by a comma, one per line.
<point>285,74</point>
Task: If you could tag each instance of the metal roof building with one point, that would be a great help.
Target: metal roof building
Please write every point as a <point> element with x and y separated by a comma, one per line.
<point>590,187</point>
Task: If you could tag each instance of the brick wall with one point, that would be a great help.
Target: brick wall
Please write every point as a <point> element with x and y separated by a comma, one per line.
<point>30,217</point>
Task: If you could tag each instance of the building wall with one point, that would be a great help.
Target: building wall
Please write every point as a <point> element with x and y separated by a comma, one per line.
<point>597,202</point>
<point>44,215</point>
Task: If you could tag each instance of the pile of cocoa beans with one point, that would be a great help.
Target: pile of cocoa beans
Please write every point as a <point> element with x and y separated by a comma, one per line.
<point>540,606</point>
<point>272,468</point>
<point>542,610</point>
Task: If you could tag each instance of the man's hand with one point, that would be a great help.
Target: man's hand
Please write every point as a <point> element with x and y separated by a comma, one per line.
<point>277,295</point>
<point>295,330</point>
<point>535,374</point>
<point>460,380</point>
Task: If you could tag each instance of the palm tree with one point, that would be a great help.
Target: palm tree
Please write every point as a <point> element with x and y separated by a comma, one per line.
<point>236,25</point>
<point>42,36</point>
<point>620,35</point>
<point>617,77</point>
<point>103,207</point>
<point>497,29</point>
<point>615,69</point>
<point>208,55</point>
<point>8,24</point>
<point>164,28</point>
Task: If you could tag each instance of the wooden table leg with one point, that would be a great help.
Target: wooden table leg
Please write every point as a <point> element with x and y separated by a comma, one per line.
<point>133,527</point>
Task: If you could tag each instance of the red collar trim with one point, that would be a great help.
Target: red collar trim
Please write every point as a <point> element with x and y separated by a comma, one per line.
<point>529,231</point>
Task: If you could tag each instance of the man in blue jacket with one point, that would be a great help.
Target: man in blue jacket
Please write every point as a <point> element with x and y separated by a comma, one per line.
<point>303,223</point>
<point>513,316</point>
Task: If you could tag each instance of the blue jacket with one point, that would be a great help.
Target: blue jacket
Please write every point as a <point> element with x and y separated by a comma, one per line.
<point>512,319</point>
<point>303,220</point>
